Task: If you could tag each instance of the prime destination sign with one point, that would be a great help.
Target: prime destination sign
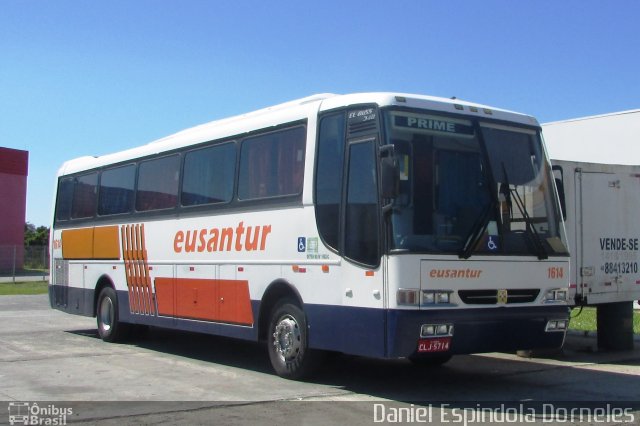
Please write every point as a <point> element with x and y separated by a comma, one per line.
<point>432,124</point>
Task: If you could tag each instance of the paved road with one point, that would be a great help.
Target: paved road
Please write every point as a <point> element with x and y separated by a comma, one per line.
<point>167,377</point>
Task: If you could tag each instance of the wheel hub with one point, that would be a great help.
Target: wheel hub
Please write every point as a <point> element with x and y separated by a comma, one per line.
<point>286,338</point>
<point>106,313</point>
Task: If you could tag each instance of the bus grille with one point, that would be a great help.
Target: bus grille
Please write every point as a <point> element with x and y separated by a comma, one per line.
<point>490,297</point>
<point>61,272</point>
<point>61,281</point>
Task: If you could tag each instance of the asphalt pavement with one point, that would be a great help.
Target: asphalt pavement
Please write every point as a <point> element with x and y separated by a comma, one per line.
<point>54,364</point>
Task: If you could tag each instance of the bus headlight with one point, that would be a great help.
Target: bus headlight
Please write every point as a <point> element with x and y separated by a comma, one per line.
<point>435,297</point>
<point>442,297</point>
<point>411,296</point>
<point>557,295</point>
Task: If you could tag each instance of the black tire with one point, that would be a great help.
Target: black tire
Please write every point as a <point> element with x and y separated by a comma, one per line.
<point>287,342</point>
<point>110,328</point>
<point>430,361</point>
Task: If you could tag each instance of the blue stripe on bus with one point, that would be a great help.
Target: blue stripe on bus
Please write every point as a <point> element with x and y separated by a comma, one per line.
<point>395,333</point>
<point>366,331</point>
<point>499,329</point>
<point>352,330</point>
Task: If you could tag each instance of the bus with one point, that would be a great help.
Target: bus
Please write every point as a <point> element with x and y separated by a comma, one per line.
<point>377,224</point>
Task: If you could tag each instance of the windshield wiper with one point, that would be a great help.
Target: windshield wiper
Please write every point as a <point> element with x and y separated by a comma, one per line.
<point>541,252</point>
<point>477,230</point>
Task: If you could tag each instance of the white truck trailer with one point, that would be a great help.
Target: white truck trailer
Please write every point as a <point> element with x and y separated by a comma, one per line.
<point>596,162</point>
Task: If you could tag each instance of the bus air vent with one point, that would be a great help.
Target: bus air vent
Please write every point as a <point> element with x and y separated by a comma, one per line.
<point>362,127</point>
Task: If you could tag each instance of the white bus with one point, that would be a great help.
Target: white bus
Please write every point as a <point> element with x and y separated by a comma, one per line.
<point>383,225</point>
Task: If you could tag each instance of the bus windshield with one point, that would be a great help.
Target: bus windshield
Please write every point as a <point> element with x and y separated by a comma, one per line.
<point>469,187</point>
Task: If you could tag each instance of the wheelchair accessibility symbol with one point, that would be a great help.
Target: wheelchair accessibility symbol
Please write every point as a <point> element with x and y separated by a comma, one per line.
<point>491,245</point>
<point>302,244</point>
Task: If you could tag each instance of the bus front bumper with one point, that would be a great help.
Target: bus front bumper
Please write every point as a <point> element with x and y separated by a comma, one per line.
<point>466,331</point>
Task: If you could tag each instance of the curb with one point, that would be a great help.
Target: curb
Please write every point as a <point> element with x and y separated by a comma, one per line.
<point>594,334</point>
<point>29,278</point>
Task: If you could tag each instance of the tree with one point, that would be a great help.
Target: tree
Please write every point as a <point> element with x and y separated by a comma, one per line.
<point>35,236</point>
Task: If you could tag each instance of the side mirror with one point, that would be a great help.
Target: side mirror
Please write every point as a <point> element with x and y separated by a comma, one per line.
<point>389,172</point>
<point>559,181</point>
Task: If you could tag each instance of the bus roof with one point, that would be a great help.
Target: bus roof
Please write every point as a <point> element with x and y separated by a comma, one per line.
<point>288,112</point>
<point>607,139</point>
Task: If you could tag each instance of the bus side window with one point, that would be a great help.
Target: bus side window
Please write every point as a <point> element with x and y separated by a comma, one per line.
<point>208,175</point>
<point>158,183</point>
<point>116,190</point>
<point>64,199</point>
<point>85,195</point>
<point>272,165</point>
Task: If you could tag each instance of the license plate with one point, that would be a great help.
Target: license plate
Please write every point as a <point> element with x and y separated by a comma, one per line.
<point>438,344</point>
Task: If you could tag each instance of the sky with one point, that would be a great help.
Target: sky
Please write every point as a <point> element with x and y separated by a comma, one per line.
<point>93,77</point>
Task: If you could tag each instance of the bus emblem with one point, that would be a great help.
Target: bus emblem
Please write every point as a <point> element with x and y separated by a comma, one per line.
<point>503,296</point>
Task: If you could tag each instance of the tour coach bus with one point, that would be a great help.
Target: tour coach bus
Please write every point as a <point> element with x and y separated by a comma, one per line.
<point>383,225</point>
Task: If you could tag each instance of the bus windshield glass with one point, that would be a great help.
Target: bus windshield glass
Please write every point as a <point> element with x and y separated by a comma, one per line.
<point>469,188</point>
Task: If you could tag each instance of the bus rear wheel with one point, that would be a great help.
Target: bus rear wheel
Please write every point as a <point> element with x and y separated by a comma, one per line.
<point>287,342</point>
<point>110,328</point>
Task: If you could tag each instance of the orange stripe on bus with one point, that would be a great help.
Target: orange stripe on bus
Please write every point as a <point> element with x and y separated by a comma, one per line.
<point>165,296</point>
<point>205,299</point>
<point>127,266</point>
<point>145,274</point>
<point>105,243</point>
<point>91,243</point>
<point>133,253</point>
<point>141,299</point>
<point>77,243</point>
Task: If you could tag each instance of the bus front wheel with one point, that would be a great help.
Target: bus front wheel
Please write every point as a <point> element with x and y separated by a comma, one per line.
<point>287,342</point>
<point>110,328</point>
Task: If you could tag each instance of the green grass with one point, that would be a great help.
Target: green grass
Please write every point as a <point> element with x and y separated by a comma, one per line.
<point>35,287</point>
<point>584,320</point>
<point>587,321</point>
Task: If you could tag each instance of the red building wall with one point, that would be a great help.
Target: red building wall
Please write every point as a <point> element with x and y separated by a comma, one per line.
<point>13,201</point>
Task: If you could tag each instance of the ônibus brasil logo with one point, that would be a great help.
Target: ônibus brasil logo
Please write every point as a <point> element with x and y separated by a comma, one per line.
<point>27,413</point>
